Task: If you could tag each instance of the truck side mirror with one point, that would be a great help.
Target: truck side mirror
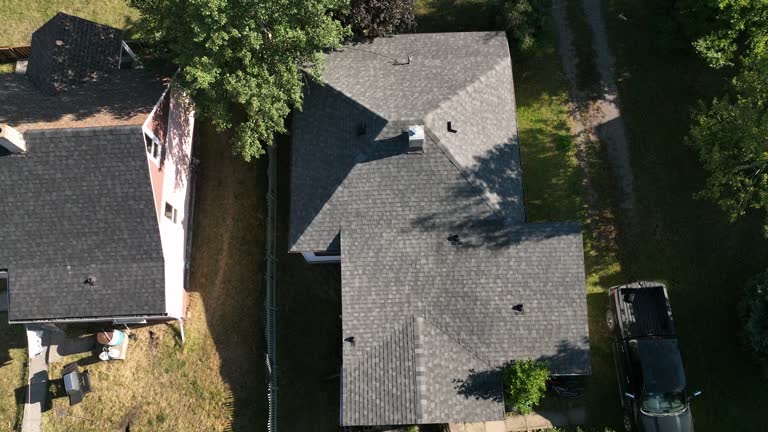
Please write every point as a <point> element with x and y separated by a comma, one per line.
<point>629,395</point>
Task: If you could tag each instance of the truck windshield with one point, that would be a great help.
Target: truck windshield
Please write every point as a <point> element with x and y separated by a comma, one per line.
<point>663,403</point>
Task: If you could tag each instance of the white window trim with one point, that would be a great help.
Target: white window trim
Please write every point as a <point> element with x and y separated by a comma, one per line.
<point>174,212</point>
<point>311,258</point>
<point>155,142</point>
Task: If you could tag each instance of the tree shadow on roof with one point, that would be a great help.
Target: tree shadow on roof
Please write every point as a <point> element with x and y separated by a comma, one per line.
<point>332,131</point>
<point>113,99</point>
<point>487,384</point>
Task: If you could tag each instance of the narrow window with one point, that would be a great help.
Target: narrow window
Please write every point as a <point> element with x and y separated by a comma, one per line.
<point>153,147</point>
<point>170,212</point>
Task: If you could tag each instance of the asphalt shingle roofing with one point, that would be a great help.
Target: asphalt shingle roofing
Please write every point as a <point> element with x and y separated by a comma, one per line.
<point>79,204</point>
<point>68,49</point>
<point>432,320</point>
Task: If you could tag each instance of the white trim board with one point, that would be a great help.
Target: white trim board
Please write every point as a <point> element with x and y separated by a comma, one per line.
<point>311,258</point>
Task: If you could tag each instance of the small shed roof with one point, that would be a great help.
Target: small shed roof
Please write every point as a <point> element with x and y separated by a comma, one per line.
<point>68,49</point>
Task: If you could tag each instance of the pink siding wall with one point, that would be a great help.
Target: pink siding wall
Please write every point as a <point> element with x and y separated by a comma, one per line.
<point>171,184</point>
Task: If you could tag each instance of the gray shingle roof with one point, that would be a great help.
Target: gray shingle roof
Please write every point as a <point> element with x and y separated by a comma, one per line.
<point>69,49</point>
<point>125,97</point>
<point>79,204</point>
<point>467,293</point>
<point>432,321</point>
<point>465,78</point>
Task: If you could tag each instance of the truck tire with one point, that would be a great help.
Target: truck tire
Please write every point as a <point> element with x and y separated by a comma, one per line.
<point>610,320</point>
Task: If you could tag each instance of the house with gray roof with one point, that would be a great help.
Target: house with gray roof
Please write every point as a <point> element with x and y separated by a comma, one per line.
<point>405,168</point>
<point>95,168</point>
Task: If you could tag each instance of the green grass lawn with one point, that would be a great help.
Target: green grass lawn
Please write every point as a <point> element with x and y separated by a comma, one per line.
<point>685,242</point>
<point>13,366</point>
<point>555,190</point>
<point>217,380</point>
<point>22,17</point>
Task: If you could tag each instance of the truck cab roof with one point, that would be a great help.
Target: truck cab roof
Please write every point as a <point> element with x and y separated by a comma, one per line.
<point>661,364</point>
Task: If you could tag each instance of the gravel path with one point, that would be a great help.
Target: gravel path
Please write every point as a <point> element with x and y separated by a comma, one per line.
<point>596,115</point>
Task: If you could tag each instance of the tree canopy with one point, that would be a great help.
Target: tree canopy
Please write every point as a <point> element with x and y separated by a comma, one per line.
<point>731,132</point>
<point>243,62</point>
<point>732,138</point>
<point>523,20</point>
<point>753,312</point>
<point>735,28</point>
<point>373,18</point>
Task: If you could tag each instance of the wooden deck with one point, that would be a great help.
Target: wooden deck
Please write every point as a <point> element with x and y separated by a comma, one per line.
<point>13,54</point>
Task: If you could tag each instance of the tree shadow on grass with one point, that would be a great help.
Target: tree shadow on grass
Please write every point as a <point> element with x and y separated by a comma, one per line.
<point>228,270</point>
<point>309,327</point>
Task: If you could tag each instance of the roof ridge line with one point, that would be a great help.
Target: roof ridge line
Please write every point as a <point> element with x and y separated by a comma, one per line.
<point>460,169</point>
<point>457,341</point>
<point>480,78</point>
<point>89,130</point>
<point>421,368</point>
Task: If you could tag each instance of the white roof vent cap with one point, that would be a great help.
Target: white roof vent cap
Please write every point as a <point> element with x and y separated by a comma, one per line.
<point>11,139</point>
<point>416,138</point>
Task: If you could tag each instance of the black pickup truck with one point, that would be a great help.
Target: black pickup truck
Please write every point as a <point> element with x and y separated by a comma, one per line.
<point>654,393</point>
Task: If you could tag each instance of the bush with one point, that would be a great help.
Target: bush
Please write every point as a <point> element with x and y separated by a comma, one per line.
<point>525,382</point>
<point>753,311</point>
<point>523,20</point>
<point>373,18</point>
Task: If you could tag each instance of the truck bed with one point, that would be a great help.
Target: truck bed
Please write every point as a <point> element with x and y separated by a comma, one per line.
<point>644,310</point>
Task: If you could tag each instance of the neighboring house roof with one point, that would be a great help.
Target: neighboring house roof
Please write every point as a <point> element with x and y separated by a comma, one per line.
<point>432,321</point>
<point>465,295</point>
<point>68,49</point>
<point>125,97</point>
<point>464,78</point>
<point>79,204</point>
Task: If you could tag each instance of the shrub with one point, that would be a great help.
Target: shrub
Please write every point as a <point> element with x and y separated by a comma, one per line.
<point>523,20</point>
<point>525,382</point>
<point>753,311</point>
<point>373,18</point>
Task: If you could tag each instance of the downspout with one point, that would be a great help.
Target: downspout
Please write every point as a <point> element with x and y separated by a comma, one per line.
<point>181,328</point>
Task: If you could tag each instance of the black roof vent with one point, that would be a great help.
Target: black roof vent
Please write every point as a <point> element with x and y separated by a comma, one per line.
<point>454,239</point>
<point>362,129</point>
<point>90,281</point>
<point>518,308</point>
<point>452,127</point>
<point>350,339</point>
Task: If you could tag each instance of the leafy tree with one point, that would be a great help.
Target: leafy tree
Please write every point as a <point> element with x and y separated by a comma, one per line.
<point>373,18</point>
<point>523,20</point>
<point>731,138</point>
<point>753,311</point>
<point>242,61</point>
<point>525,382</point>
<point>737,27</point>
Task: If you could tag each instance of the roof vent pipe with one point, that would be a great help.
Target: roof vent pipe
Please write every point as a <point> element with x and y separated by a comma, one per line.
<point>12,139</point>
<point>416,139</point>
